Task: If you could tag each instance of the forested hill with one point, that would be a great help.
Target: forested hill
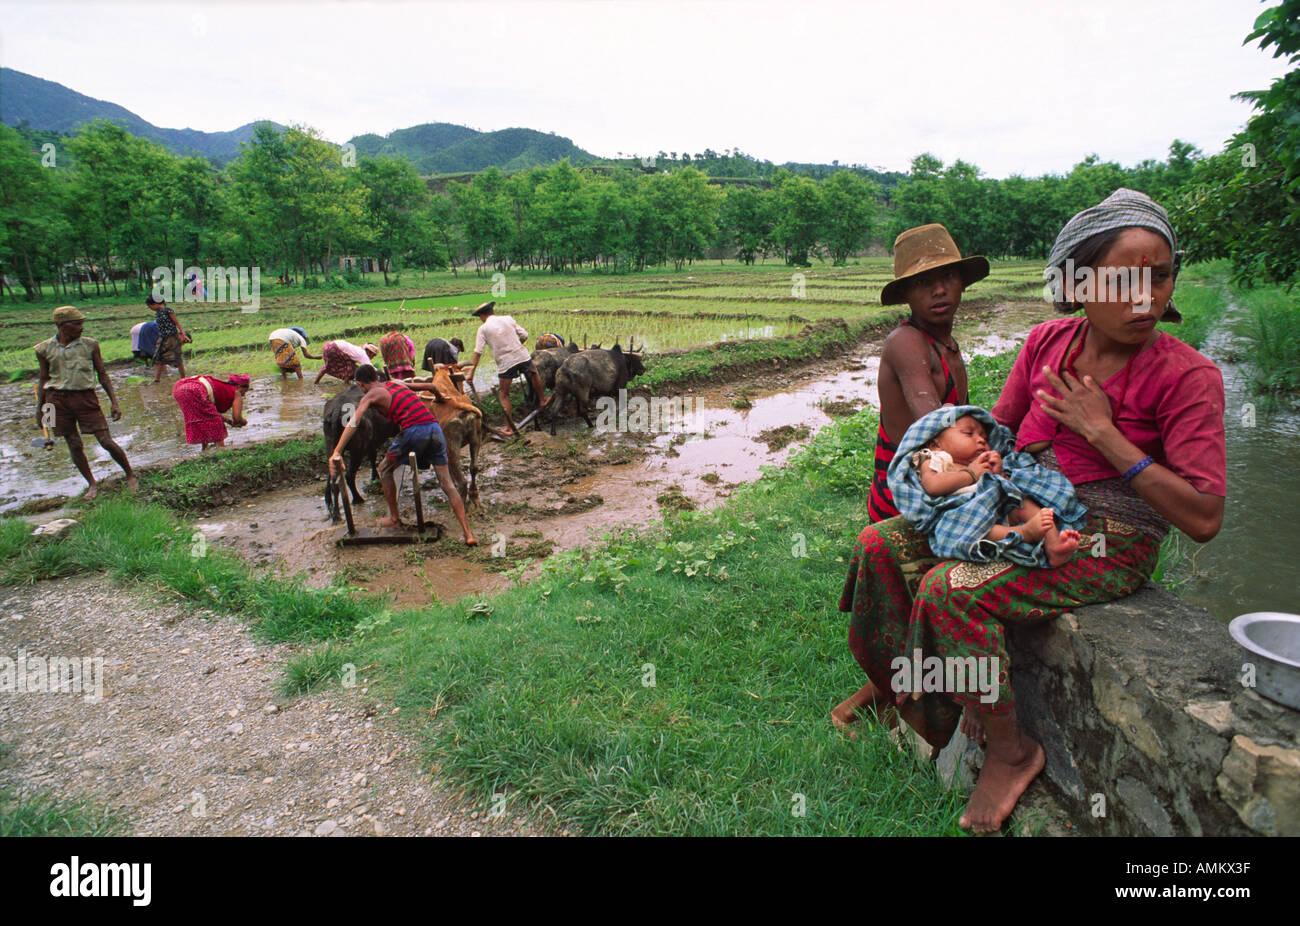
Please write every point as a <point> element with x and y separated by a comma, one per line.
<point>44,110</point>
<point>442,148</point>
<point>40,105</point>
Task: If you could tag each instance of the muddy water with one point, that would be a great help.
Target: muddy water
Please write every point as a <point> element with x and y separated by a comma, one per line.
<point>151,431</point>
<point>1251,564</point>
<point>721,450</point>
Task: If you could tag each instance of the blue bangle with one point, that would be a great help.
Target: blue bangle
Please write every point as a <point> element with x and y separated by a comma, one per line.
<point>1137,468</point>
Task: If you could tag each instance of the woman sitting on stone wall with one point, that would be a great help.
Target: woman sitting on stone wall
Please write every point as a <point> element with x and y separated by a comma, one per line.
<point>1134,419</point>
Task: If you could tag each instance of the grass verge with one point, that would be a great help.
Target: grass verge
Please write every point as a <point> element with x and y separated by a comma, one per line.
<point>197,483</point>
<point>1272,335</point>
<point>675,680</point>
<point>131,541</point>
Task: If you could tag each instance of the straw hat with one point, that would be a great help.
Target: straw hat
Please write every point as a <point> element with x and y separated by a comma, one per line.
<point>66,313</point>
<point>924,248</point>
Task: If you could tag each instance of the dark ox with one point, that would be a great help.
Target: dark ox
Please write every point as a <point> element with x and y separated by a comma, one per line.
<point>548,363</point>
<point>590,374</point>
<point>373,431</point>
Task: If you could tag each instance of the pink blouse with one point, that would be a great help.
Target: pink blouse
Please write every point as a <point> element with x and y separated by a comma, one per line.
<point>1172,408</point>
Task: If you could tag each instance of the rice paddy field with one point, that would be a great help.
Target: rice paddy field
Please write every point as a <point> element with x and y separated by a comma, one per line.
<point>700,306</point>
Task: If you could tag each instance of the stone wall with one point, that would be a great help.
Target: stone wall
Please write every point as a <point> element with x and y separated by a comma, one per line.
<point>1140,708</point>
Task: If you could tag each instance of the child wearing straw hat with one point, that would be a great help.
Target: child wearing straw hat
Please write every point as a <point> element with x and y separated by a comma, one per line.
<point>921,367</point>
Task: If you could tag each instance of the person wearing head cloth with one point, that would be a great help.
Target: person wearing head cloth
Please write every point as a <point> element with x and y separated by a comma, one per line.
<point>285,345</point>
<point>66,401</point>
<point>399,355</point>
<point>1131,416</point>
<point>921,366</point>
<point>170,338</point>
<point>342,359</point>
<point>204,400</point>
<point>506,338</point>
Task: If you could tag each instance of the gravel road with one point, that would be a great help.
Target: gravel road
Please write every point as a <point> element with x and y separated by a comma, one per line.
<point>190,736</point>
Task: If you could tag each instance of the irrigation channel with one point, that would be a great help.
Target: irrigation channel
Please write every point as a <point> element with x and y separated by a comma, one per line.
<point>550,494</point>
<point>1251,565</point>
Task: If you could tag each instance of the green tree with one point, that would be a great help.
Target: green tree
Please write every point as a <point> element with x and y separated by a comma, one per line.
<point>1244,203</point>
<point>848,206</point>
<point>394,194</point>
<point>799,218</point>
<point>684,207</point>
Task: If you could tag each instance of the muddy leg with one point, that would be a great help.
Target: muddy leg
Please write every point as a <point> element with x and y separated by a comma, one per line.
<point>119,457</point>
<point>78,451</point>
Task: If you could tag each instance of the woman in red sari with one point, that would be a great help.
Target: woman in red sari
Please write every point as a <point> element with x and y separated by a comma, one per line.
<point>204,400</point>
<point>1132,416</point>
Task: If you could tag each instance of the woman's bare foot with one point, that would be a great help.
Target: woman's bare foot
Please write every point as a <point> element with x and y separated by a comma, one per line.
<point>133,483</point>
<point>849,711</point>
<point>390,522</point>
<point>1012,761</point>
<point>91,491</point>
<point>972,727</point>
<point>471,540</point>
<point>1061,546</point>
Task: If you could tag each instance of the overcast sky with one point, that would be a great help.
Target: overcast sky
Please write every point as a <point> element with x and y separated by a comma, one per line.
<point>1026,86</point>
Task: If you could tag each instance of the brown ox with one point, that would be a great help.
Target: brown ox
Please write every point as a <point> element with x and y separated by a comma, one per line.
<point>462,425</point>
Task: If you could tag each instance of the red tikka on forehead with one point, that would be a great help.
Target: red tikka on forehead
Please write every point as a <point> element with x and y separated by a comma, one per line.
<point>1144,260</point>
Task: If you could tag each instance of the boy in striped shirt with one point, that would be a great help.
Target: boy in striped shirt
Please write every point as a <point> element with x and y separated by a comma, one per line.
<point>397,401</point>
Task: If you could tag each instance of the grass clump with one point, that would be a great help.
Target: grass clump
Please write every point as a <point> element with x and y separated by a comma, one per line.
<point>1272,333</point>
<point>146,543</point>
<point>311,669</point>
<point>45,815</point>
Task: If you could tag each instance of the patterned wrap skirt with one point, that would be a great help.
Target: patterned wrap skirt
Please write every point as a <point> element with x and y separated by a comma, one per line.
<point>903,599</point>
<point>203,424</point>
<point>398,353</point>
<point>168,350</point>
<point>286,356</point>
<point>337,363</point>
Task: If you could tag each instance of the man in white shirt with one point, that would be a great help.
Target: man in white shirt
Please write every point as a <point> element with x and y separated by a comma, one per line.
<point>506,338</point>
<point>285,344</point>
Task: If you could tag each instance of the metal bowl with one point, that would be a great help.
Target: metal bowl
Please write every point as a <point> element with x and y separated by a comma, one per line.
<point>1272,641</point>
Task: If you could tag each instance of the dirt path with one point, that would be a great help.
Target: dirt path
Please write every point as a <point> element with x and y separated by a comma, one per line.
<point>191,738</point>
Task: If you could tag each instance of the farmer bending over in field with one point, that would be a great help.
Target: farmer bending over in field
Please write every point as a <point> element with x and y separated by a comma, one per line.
<point>418,427</point>
<point>506,338</point>
<point>285,345</point>
<point>69,366</point>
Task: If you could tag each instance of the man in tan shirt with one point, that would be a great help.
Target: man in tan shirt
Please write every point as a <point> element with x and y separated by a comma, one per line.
<point>506,340</point>
<point>65,395</point>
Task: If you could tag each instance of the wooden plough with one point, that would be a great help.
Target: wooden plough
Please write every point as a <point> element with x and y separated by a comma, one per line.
<point>425,531</point>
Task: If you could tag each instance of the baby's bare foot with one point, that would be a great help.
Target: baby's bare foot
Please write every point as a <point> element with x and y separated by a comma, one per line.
<point>1035,528</point>
<point>1060,547</point>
